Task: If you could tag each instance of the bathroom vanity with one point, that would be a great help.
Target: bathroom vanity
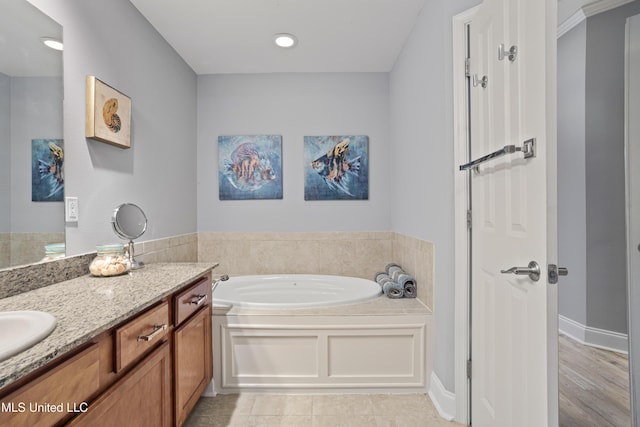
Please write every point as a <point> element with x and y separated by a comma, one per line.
<point>127,350</point>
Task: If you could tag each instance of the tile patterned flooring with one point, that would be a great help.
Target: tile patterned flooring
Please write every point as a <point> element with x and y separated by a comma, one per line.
<point>248,410</point>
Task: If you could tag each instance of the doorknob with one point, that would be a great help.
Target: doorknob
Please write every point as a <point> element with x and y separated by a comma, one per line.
<point>533,271</point>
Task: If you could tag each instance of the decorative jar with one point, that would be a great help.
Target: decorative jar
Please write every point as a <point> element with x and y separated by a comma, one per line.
<point>111,260</point>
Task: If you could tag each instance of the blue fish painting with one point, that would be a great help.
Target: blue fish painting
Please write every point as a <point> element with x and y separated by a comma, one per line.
<point>47,170</point>
<point>336,167</point>
<point>250,167</point>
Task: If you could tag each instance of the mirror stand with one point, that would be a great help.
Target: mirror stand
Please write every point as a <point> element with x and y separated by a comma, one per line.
<point>132,260</point>
<point>130,222</point>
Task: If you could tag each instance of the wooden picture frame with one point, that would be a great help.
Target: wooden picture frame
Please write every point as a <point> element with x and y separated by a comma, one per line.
<point>108,114</point>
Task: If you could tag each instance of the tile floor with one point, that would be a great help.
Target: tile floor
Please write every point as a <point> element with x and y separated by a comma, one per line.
<point>247,410</point>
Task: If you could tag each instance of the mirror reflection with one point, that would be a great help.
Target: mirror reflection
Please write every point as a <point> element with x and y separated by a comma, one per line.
<point>31,136</point>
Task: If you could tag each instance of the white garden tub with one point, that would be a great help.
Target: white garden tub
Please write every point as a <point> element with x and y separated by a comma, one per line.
<point>286,291</point>
<point>317,334</point>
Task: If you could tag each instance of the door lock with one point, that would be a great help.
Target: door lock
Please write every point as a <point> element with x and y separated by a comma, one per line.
<point>533,271</point>
<point>554,271</point>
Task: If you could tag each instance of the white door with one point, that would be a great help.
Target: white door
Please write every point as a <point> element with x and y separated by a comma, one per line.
<point>514,317</point>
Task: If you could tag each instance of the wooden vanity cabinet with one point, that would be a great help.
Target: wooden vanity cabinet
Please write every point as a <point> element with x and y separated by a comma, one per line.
<point>148,371</point>
<point>141,398</point>
<point>53,396</point>
<point>192,352</point>
<point>142,394</point>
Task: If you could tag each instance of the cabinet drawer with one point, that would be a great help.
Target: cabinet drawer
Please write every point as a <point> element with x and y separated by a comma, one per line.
<point>140,335</point>
<point>190,300</point>
<point>56,394</point>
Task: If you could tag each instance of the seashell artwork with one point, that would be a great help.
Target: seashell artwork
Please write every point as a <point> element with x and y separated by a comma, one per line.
<point>108,114</point>
<point>111,119</point>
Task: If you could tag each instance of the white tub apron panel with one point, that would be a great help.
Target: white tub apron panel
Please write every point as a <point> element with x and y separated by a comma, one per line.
<point>333,353</point>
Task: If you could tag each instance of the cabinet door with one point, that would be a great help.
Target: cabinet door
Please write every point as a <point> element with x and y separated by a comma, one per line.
<point>56,394</point>
<point>192,361</point>
<point>141,398</point>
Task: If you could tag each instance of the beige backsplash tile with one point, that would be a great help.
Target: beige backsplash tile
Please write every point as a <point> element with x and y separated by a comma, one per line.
<point>358,254</point>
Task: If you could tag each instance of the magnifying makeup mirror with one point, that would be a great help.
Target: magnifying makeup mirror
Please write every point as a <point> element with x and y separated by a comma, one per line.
<point>129,222</point>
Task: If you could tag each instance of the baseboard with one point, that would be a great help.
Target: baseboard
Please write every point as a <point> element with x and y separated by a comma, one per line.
<point>594,337</point>
<point>210,391</point>
<point>443,400</point>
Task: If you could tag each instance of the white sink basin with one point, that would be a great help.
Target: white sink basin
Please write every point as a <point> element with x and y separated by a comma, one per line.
<point>20,330</point>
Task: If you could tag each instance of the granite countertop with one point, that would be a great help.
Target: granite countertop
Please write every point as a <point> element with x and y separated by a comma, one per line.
<point>87,306</point>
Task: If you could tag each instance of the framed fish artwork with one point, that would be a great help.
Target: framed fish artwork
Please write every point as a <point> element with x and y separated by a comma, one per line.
<point>250,167</point>
<point>47,170</point>
<point>108,114</point>
<point>336,167</point>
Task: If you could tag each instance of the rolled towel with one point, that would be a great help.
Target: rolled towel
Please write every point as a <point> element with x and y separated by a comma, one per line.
<point>395,272</point>
<point>393,289</point>
<point>408,284</point>
<point>388,266</point>
<point>379,275</point>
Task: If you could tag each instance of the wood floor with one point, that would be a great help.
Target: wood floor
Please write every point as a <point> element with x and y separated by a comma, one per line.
<point>593,386</point>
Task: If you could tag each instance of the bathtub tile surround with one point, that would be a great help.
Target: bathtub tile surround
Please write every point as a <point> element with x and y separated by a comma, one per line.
<point>182,248</point>
<point>357,254</point>
<point>367,410</point>
<point>416,258</point>
<point>346,254</point>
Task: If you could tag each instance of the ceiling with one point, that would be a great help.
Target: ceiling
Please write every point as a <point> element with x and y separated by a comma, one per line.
<point>236,36</point>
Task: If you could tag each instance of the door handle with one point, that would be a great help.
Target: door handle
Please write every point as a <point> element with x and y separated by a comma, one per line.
<point>533,271</point>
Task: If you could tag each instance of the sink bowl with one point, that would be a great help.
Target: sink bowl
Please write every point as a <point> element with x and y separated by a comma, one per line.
<point>20,330</point>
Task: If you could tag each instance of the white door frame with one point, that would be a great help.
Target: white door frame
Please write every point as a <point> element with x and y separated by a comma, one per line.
<point>461,260</point>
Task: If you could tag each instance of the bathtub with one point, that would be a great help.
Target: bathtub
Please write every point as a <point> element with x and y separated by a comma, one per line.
<point>361,342</point>
<point>293,291</point>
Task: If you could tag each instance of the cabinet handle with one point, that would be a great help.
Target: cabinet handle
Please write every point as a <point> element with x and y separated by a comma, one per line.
<point>198,299</point>
<point>156,331</point>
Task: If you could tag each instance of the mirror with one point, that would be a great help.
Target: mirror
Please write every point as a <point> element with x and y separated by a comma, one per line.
<point>31,132</point>
<point>129,222</point>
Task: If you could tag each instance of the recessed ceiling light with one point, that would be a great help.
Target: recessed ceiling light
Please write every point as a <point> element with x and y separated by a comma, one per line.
<point>285,40</point>
<point>52,43</point>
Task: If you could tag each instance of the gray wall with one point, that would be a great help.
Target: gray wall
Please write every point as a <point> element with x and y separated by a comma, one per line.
<point>118,45</point>
<point>294,105</point>
<point>421,86</point>
<point>606,247</point>
<point>572,238</point>
<point>592,197</point>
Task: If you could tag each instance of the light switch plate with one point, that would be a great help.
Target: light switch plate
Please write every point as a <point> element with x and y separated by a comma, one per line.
<point>71,209</point>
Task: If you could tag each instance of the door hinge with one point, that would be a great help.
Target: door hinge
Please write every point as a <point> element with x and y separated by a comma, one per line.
<point>469,369</point>
<point>467,67</point>
<point>469,221</point>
